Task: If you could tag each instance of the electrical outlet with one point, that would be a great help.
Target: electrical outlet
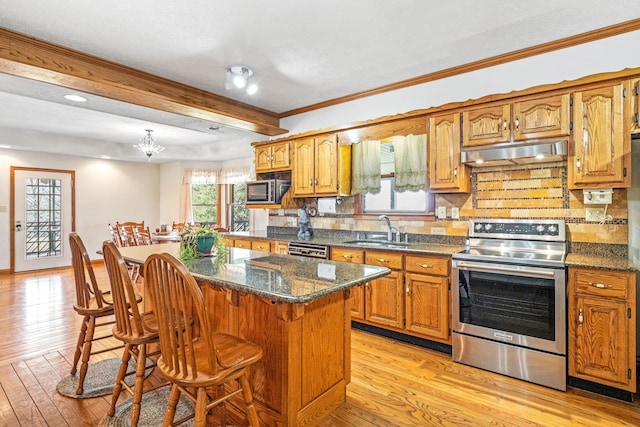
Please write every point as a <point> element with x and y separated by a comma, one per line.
<point>280,212</point>
<point>441,212</point>
<point>455,213</point>
<point>594,214</point>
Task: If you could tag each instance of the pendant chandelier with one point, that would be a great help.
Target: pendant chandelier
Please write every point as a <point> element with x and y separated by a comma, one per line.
<point>148,146</point>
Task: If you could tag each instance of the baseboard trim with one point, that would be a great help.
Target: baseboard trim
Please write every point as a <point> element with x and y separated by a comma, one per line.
<point>616,393</point>
<point>433,345</point>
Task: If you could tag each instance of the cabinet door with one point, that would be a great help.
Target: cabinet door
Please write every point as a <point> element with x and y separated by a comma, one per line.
<point>280,156</point>
<point>541,117</point>
<point>385,300</point>
<point>263,158</point>
<point>598,341</point>
<point>446,173</point>
<point>281,248</point>
<point>600,155</point>
<point>326,166</point>
<point>303,173</point>
<point>427,305</point>
<point>357,292</point>
<point>486,125</point>
<point>634,108</point>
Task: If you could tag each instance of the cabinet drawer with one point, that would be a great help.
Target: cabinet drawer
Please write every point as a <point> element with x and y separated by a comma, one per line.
<point>434,265</point>
<point>347,255</point>
<point>602,282</point>
<point>390,260</point>
<point>242,243</point>
<point>260,245</point>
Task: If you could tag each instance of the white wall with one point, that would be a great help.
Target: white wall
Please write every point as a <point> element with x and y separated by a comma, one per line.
<point>106,191</point>
<point>612,54</point>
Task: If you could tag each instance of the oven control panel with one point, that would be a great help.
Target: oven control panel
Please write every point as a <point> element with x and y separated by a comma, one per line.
<point>518,229</point>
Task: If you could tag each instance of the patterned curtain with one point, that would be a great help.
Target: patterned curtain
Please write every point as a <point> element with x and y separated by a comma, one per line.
<point>410,156</point>
<point>365,167</point>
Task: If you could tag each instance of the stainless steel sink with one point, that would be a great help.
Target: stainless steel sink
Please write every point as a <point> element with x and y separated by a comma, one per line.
<point>382,243</point>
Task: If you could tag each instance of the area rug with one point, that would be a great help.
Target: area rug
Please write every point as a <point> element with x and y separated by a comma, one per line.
<point>153,406</point>
<point>100,378</point>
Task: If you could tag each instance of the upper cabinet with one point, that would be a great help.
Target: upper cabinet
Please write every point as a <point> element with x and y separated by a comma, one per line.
<point>634,108</point>
<point>527,118</point>
<point>446,173</point>
<point>316,164</point>
<point>272,157</point>
<point>600,156</point>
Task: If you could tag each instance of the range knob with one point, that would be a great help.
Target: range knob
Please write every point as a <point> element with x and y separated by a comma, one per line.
<point>488,227</point>
<point>478,227</point>
<point>540,228</point>
<point>552,228</point>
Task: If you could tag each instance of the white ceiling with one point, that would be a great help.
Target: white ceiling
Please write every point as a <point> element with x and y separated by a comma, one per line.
<point>302,53</point>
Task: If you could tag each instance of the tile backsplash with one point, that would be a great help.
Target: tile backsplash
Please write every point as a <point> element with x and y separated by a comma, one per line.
<point>520,191</point>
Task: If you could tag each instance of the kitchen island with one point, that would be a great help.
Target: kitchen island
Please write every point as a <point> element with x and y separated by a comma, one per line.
<point>297,309</point>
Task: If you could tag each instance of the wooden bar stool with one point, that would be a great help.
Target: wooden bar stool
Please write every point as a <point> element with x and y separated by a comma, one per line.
<point>91,303</point>
<point>193,357</point>
<point>136,330</point>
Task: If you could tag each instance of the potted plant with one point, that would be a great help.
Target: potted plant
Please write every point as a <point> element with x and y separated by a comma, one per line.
<point>202,241</point>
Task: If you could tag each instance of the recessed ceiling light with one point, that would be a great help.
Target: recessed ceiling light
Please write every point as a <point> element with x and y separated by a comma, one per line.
<point>75,98</point>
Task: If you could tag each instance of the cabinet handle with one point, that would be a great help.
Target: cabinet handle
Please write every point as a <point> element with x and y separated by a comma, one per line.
<point>382,260</point>
<point>580,316</point>
<point>316,181</point>
<point>600,285</point>
<point>455,171</point>
<point>347,256</point>
<point>407,290</point>
<point>426,265</point>
<point>310,182</point>
<point>578,164</point>
<point>517,123</point>
<point>504,125</point>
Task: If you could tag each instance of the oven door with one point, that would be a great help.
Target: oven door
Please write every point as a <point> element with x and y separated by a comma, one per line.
<point>513,304</point>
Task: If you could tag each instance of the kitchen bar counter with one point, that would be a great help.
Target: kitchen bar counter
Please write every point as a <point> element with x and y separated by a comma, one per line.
<point>298,310</point>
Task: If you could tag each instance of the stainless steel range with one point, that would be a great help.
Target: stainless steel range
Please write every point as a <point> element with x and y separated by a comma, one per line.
<point>509,300</point>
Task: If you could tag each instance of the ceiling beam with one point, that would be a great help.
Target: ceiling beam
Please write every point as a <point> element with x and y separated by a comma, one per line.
<point>45,62</point>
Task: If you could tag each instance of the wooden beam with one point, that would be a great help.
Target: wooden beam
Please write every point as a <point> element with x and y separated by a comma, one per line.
<point>45,62</point>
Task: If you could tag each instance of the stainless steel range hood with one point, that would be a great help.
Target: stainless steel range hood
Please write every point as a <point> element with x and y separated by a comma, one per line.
<point>515,153</point>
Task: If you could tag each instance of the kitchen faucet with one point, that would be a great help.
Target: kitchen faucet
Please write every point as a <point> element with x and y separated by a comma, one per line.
<point>389,227</point>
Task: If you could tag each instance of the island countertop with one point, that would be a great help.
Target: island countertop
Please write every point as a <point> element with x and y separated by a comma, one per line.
<point>283,278</point>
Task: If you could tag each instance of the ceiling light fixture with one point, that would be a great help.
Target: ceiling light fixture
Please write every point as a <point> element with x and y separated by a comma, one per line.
<point>148,146</point>
<point>75,98</point>
<point>238,78</point>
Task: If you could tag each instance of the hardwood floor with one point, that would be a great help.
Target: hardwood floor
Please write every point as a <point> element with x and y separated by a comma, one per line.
<point>392,384</point>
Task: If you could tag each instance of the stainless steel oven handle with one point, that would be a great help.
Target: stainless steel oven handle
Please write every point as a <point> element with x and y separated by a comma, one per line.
<point>500,268</point>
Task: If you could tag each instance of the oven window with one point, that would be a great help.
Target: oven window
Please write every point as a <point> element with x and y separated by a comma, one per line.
<point>521,305</point>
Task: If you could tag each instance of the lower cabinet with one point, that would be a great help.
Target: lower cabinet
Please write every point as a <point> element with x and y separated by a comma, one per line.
<point>357,292</point>
<point>253,244</point>
<point>413,299</point>
<point>602,327</point>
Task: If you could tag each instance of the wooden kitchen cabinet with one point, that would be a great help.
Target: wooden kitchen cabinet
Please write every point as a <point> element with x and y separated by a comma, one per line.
<point>384,303</point>
<point>315,167</point>
<point>357,293</point>
<point>242,243</point>
<point>634,106</point>
<point>602,327</point>
<point>272,157</point>
<point>534,117</point>
<point>280,247</point>
<point>446,173</point>
<point>427,298</point>
<point>261,245</point>
<point>600,156</point>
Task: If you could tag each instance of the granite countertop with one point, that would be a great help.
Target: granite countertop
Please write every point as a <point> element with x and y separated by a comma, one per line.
<point>415,247</point>
<point>599,262</point>
<point>277,277</point>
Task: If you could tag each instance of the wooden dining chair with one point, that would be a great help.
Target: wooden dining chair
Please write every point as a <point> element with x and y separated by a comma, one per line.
<point>135,329</point>
<point>195,359</point>
<point>91,303</point>
<point>177,226</point>
<point>142,236</point>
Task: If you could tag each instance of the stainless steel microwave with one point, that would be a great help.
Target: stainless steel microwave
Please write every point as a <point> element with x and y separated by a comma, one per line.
<point>268,191</point>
